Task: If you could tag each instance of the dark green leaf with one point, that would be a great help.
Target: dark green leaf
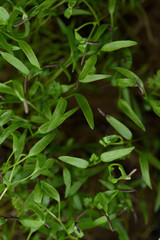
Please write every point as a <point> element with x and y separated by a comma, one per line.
<point>124,106</point>
<point>145,168</point>
<point>67,181</point>
<point>86,109</point>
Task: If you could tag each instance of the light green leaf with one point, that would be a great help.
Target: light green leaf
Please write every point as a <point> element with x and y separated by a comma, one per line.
<point>4,16</point>
<point>9,130</point>
<point>89,64</point>
<point>37,210</point>
<point>26,48</point>
<point>16,63</point>
<point>56,117</point>
<point>143,161</point>
<point>37,193</point>
<point>94,77</point>
<point>112,46</point>
<point>5,45</point>
<point>124,106</point>
<point>5,117</point>
<point>49,190</point>
<point>86,109</point>
<point>125,82</point>
<point>129,74</point>
<point>119,127</point>
<point>5,89</point>
<point>18,88</point>
<point>74,161</point>
<point>116,154</point>
<point>31,223</point>
<point>41,144</point>
<point>67,181</point>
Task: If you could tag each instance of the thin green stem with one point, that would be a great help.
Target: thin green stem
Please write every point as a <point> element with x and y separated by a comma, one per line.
<point>92,10</point>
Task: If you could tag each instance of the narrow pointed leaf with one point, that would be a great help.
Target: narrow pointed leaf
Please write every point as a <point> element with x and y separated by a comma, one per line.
<point>67,181</point>
<point>29,53</point>
<point>93,78</point>
<point>41,144</point>
<point>37,210</point>
<point>129,74</point>
<point>86,109</point>
<point>49,190</point>
<point>116,154</point>
<point>5,89</point>
<point>16,63</point>
<point>119,127</point>
<point>89,64</point>
<point>5,117</point>
<point>74,161</point>
<point>145,168</point>
<point>124,106</point>
<point>55,120</point>
<point>112,46</point>
<point>31,223</point>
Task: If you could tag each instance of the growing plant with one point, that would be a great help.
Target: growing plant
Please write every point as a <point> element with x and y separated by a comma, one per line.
<point>49,56</point>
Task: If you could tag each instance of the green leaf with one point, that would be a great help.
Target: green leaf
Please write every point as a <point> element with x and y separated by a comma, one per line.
<point>153,160</point>
<point>86,109</point>
<point>37,210</point>
<point>101,202</point>
<point>74,161</point>
<point>16,63</point>
<point>157,202</point>
<point>119,127</point>
<point>5,89</point>
<point>31,223</point>
<point>18,88</point>
<point>49,190</point>
<point>94,77</point>
<point>38,194</point>
<point>112,46</point>
<point>5,45</point>
<point>111,6</point>
<point>2,221</point>
<point>89,64</point>
<point>67,181</point>
<point>9,130</point>
<point>124,106</point>
<point>4,16</point>
<point>145,168</point>
<point>29,53</point>
<point>5,117</point>
<point>56,117</point>
<point>116,154</point>
<point>120,229</point>
<point>41,144</point>
<point>127,73</point>
<point>125,82</point>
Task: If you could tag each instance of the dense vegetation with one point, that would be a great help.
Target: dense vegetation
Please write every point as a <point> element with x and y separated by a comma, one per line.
<point>62,62</point>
